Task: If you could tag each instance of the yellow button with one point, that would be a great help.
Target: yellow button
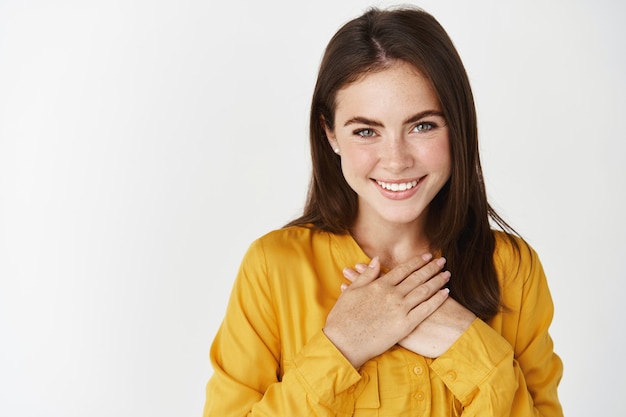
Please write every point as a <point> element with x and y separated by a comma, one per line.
<point>420,396</point>
<point>418,370</point>
<point>351,389</point>
<point>451,375</point>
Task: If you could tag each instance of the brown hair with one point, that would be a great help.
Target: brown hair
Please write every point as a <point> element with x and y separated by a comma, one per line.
<point>458,216</point>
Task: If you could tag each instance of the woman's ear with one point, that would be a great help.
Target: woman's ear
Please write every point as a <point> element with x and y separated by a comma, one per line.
<point>330,135</point>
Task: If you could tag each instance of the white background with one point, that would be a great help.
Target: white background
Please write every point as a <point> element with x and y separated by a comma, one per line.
<point>145,144</point>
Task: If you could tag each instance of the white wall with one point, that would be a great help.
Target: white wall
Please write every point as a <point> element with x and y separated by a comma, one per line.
<point>144,144</point>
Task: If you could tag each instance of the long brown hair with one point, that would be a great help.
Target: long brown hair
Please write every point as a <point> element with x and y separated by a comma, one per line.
<point>459,216</point>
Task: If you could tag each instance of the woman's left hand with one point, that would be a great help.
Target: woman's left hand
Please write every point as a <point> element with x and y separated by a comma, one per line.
<point>440,330</point>
<point>436,333</point>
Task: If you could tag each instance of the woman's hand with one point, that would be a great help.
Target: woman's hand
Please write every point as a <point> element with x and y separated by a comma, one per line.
<point>437,332</point>
<point>433,336</point>
<point>375,312</point>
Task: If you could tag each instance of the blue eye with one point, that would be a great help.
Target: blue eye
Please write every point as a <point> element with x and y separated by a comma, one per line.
<point>365,133</point>
<point>424,127</point>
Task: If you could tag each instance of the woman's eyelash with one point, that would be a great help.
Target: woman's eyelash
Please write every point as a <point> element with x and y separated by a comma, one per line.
<point>419,127</point>
<point>425,126</point>
<point>365,133</point>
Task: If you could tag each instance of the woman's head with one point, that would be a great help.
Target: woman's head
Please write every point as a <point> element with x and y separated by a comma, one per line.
<point>458,217</point>
<point>371,43</point>
<point>394,146</point>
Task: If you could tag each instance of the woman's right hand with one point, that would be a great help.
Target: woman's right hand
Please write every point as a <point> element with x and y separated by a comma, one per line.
<point>377,311</point>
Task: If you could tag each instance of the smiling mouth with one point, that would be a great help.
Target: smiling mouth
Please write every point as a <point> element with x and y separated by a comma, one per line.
<point>397,186</point>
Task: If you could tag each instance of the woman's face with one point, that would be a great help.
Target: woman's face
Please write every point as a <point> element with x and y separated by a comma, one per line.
<point>393,143</point>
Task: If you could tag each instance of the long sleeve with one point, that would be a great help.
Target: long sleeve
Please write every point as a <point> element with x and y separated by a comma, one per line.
<point>514,376</point>
<point>247,358</point>
<point>270,356</point>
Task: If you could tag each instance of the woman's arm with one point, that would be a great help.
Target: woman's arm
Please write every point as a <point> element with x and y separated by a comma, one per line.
<point>515,373</point>
<point>512,372</point>
<point>481,370</point>
<point>246,353</point>
<point>246,359</point>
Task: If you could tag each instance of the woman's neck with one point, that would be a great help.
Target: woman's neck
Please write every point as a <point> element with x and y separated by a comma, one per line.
<point>392,244</point>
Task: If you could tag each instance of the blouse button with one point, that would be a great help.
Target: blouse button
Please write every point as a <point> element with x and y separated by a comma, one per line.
<point>351,389</point>
<point>420,396</point>
<point>418,370</point>
<point>451,375</point>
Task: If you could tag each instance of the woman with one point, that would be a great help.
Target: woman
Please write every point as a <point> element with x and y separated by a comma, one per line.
<point>391,295</point>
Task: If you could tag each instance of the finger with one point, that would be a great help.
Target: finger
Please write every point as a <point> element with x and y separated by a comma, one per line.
<point>370,274</point>
<point>428,307</point>
<point>426,290</point>
<point>422,275</point>
<point>402,271</point>
<point>360,268</point>
<point>350,274</point>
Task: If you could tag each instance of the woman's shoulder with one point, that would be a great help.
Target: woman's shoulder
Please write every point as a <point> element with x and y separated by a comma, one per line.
<point>289,235</point>
<point>281,251</point>
<point>509,245</point>
<point>289,239</point>
<point>514,257</point>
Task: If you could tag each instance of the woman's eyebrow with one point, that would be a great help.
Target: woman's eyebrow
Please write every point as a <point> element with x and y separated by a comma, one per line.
<point>363,121</point>
<point>421,115</point>
<point>376,123</point>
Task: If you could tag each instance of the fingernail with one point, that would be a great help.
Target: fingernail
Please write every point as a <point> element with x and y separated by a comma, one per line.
<point>427,256</point>
<point>441,261</point>
<point>344,286</point>
<point>360,267</point>
<point>374,262</point>
<point>446,275</point>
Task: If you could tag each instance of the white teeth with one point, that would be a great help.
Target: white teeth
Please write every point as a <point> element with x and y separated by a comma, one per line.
<point>394,186</point>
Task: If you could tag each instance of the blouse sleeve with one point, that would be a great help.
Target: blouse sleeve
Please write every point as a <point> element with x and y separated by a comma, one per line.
<point>491,375</point>
<point>247,377</point>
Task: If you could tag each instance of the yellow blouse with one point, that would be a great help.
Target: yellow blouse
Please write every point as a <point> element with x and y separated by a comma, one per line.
<point>271,358</point>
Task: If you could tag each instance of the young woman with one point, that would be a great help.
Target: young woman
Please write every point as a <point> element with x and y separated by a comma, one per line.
<point>391,295</point>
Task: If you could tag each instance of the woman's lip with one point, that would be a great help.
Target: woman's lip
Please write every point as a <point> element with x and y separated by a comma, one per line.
<point>398,185</point>
<point>398,189</point>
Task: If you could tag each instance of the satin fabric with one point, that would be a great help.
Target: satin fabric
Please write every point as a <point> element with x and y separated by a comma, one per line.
<point>271,358</point>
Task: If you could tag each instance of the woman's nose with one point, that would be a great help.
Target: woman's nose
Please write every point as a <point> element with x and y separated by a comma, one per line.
<point>397,155</point>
